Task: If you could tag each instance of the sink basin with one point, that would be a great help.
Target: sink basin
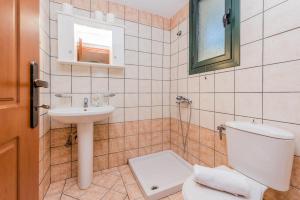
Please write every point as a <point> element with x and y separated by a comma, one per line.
<point>81,115</point>
<point>84,118</point>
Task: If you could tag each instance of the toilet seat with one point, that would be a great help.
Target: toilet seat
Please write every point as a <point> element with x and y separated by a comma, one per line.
<point>195,191</point>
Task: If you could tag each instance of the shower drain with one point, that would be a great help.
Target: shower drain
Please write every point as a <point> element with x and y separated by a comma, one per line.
<point>154,187</point>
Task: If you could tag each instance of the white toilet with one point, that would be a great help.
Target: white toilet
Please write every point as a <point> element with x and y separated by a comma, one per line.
<point>263,154</point>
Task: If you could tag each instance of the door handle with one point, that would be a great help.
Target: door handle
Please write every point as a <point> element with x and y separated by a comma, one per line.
<point>40,83</point>
<point>35,84</point>
<point>226,18</point>
<point>44,106</point>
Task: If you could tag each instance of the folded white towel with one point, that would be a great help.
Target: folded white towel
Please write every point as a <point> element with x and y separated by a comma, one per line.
<point>222,180</point>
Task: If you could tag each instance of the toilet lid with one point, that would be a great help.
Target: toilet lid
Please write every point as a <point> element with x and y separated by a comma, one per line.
<point>195,191</point>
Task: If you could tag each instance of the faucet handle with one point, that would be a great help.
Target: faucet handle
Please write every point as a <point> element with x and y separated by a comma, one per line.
<point>109,95</point>
<point>221,128</point>
<point>85,102</point>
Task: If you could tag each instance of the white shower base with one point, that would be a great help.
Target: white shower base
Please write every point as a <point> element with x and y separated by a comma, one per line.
<point>164,170</point>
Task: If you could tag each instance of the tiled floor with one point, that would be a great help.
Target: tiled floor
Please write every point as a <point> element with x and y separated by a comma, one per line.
<point>111,184</point>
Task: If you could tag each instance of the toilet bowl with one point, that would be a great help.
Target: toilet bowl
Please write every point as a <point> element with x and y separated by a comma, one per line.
<point>260,153</point>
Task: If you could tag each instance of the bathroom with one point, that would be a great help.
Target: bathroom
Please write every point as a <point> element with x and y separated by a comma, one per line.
<point>97,130</point>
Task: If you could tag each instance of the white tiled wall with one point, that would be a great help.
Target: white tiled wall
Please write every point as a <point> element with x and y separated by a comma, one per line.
<point>44,120</point>
<point>139,87</point>
<point>264,88</point>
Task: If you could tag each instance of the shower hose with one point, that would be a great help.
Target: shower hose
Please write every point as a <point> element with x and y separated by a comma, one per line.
<point>185,136</point>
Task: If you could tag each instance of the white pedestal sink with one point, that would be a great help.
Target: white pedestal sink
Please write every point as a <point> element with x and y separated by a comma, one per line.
<point>84,118</point>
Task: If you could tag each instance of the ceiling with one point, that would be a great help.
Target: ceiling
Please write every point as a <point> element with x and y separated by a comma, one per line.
<point>165,8</point>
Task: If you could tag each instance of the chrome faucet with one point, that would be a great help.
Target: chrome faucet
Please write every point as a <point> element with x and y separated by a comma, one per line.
<point>85,102</point>
<point>182,99</point>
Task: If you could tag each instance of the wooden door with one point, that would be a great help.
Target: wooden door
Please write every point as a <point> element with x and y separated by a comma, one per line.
<point>19,44</point>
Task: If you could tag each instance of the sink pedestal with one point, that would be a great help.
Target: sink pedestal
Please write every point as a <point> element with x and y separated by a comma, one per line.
<point>84,118</point>
<point>85,154</point>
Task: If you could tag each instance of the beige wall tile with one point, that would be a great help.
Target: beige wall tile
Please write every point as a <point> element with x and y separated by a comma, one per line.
<point>194,133</point>
<point>144,151</point>
<point>207,155</point>
<point>193,148</point>
<point>46,162</point>
<point>74,152</point>
<point>131,154</point>
<point>166,137</point>
<point>145,140</point>
<point>100,147</point>
<point>131,128</point>
<point>156,148</point>
<point>60,172</point>
<point>116,9</point>
<point>131,142</point>
<point>101,132</point>
<point>116,130</point>
<point>145,18</point>
<point>157,138</point>
<point>166,124</point>
<point>62,1</point>
<point>295,180</point>
<point>167,24</point>
<point>60,155</point>
<point>157,125</point>
<point>157,21</point>
<point>116,159</point>
<point>131,14</point>
<point>59,136</point>
<point>100,163</point>
<point>116,145</point>
<point>41,148</point>
<point>144,126</point>
<point>101,5</point>
<point>220,159</point>
<point>207,137</point>
<point>82,4</point>
<point>220,144</point>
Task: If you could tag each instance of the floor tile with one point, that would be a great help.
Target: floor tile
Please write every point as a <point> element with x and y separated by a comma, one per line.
<point>94,193</point>
<point>117,183</point>
<point>119,187</point>
<point>65,197</point>
<point>134,192</point>
<point>74,191</point>
<point>106,180</point>
<point>112,195</point>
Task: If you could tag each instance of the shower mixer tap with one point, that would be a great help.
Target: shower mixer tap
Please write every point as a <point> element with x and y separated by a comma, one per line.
<point>179,100</point>
<point>182,99</point>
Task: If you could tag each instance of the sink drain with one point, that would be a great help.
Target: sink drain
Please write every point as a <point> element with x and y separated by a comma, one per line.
<point>154,187</point>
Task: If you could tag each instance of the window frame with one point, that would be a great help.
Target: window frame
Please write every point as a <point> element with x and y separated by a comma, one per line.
<point>231,58</point>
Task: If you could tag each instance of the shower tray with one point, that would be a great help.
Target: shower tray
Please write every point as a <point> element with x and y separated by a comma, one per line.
<point>160,174</point>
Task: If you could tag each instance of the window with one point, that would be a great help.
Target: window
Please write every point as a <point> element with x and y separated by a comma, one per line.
<point>214,35</point>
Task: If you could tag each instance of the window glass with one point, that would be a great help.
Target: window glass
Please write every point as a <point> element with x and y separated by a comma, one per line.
<point>211,33</point>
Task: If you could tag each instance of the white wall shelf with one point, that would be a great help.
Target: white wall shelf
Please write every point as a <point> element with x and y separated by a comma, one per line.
<point>90,64</point>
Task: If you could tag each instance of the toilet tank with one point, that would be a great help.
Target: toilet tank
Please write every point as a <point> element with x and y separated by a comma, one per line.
<point>261,152</point>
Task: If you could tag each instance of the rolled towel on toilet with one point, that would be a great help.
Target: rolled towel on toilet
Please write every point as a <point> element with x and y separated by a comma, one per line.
<point>222,180</point>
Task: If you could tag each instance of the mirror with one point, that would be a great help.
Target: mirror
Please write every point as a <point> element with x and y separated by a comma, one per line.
<point>86,41</point>
<point>93,44</point>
